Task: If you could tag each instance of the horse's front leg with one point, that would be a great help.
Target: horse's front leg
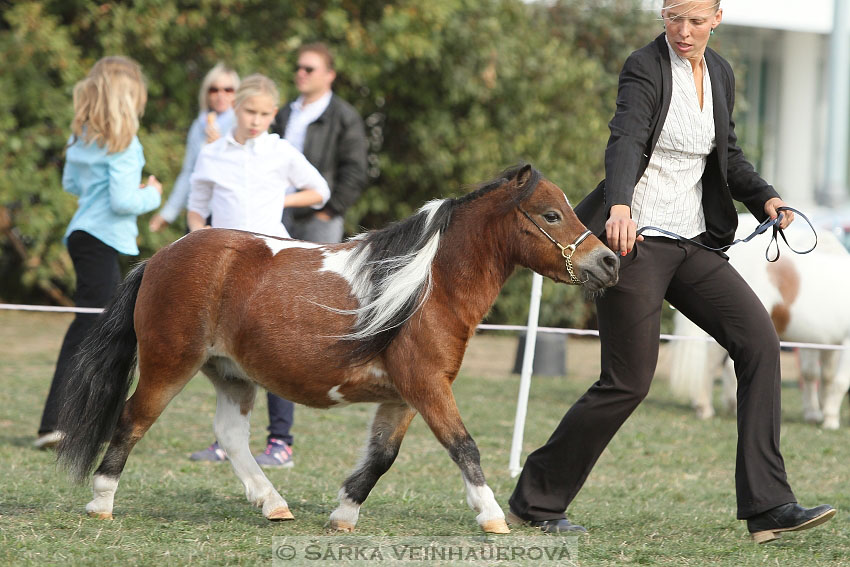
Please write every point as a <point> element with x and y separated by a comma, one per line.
<point>440,412</point>
<point>386,433</point>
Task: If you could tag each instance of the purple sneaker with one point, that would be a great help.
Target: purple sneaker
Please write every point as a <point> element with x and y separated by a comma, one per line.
<point>277,454</point>
<point>213,453</point>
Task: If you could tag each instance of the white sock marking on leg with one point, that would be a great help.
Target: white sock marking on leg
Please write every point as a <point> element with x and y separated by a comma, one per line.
<point>103,489</point>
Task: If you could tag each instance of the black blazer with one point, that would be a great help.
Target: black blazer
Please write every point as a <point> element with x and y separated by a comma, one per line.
<point>643,99</point>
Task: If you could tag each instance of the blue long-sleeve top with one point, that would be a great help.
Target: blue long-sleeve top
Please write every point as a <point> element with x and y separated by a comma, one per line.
<point>195,140</point>
<point>110,199</point>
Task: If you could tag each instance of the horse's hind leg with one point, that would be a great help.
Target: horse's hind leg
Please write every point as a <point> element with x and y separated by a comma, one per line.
<point>234,401</point>
<point>730,385</point>
<point>139,413</point>
<point>835,366</point>
<point>387,430</point>
<point>810,372</point>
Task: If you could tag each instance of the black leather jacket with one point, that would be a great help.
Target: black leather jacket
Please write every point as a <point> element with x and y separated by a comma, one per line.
<point>336,145</point>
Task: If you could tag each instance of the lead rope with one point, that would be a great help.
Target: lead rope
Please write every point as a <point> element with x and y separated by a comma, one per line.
<point>769,223</point>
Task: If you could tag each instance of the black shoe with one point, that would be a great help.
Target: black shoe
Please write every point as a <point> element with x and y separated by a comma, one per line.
<point>790,517</point>
<point>558,526</point>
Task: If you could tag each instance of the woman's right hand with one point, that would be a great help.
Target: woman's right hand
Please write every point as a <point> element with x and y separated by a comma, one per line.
<point>211,129</point>
<point>621,230</point>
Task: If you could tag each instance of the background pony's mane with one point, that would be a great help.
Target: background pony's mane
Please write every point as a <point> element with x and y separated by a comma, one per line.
<point>391,267</point>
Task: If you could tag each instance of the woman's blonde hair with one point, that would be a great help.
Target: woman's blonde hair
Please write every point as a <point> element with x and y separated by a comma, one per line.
<point>665,4</point>
<point>109,102</point>
<point>211,77</point>
<point>255,85</point>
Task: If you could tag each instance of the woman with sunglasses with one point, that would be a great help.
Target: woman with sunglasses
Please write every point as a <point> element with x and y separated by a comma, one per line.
<point>215,100</point>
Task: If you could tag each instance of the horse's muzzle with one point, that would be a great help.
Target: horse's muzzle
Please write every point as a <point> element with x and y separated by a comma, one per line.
<point>601,269</point>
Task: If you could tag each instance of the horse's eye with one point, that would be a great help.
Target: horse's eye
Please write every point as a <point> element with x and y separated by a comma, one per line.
<point>551,217</point>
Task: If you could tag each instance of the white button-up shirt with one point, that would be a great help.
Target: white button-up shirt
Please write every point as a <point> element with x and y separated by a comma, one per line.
<point>669,195</point>
<point>301,116</point>
<point>244,186</point>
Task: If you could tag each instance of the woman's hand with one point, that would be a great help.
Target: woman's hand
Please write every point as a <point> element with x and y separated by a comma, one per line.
<point>195,221</point>
<point>303,197</point>
<point>620,229</point>
<point>157,223</point>
<point>211,130</point>
<point>152,182</point>
<point>770,208</point>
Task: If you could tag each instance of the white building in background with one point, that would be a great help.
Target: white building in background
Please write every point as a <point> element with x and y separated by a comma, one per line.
<point>780,52</point>
<point>784,46</point>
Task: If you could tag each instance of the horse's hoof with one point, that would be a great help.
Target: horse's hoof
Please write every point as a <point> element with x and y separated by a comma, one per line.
<point>342,526</point>
<point>813,417</point>
<point>100,515</point>
<point>496,527</point>
<point>280,515</point>
<point>705,413</point>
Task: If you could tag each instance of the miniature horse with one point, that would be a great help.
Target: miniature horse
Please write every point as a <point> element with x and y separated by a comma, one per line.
<point>803,295</point>
<point>383,318</point>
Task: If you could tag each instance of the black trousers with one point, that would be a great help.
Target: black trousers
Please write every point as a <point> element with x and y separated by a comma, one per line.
<point>705,288</point>
<point>98,276</point>
<point>281,416</point>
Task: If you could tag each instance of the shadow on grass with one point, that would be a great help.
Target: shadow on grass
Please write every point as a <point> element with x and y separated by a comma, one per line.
<point>17,441</point>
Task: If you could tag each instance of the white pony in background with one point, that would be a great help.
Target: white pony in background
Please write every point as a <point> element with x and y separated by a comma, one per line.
<point>805,296</point>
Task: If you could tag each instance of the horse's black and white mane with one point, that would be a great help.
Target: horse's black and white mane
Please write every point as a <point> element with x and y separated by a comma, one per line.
<point>390,269</point>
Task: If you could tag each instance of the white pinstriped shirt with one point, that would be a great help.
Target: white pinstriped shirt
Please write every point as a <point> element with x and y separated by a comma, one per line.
<point>669,195</point>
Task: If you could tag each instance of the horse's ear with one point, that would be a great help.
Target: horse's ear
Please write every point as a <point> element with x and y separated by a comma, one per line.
<point>523,176</point>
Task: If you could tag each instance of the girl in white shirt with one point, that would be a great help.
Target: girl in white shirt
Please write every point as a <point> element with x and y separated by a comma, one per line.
<point>242,178</point>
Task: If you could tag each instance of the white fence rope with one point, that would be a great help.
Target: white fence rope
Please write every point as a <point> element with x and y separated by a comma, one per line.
<point>531,330</point>
<point>49,308</point>
<point>663,337</point>
<point>483,327</point>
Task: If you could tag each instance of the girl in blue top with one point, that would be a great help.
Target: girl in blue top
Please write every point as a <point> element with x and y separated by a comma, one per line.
<point>103,166</point>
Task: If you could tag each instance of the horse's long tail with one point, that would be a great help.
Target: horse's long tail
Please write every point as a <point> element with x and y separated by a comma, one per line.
<point>100,378</point>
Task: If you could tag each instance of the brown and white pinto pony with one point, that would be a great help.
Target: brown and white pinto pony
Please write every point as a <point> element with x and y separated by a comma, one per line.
<point>804,295</point>
<point>383,318</point>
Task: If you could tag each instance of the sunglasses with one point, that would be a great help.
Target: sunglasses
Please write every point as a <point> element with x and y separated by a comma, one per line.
<point>306,68</point>
<point>214,90</point>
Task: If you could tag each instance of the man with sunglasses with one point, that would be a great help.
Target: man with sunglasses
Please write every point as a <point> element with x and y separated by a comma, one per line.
<point>330,134</point>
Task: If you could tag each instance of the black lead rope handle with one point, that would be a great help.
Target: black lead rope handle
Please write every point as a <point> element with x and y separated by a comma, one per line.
<point>769,223</point>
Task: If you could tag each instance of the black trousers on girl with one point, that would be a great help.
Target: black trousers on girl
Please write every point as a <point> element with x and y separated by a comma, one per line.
<point>708,290</point>
<point>98,276</point>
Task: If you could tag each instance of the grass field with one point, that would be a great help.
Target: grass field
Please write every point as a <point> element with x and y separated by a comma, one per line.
<point>662,493</point>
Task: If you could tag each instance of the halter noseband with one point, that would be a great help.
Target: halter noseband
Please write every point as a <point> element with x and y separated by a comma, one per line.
<point>566,251</point>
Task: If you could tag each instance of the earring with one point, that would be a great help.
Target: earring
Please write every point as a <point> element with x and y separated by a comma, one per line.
<point>712,31</point>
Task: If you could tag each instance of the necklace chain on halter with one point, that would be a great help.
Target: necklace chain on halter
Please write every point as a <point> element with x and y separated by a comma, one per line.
<point>566,251</point>
<point>769,223</point>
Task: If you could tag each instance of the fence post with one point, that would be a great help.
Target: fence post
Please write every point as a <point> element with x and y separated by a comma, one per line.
<point>525,376</point>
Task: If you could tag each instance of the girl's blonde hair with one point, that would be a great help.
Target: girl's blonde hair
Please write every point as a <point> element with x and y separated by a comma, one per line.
<point>255,85</point>
<point>211,76</point>
<point>109,102</point>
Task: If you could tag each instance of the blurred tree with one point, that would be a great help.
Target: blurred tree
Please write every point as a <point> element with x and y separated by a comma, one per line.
<point>452,92</point>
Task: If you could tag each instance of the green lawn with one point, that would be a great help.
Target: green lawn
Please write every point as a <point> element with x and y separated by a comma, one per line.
<point>662,494</point>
